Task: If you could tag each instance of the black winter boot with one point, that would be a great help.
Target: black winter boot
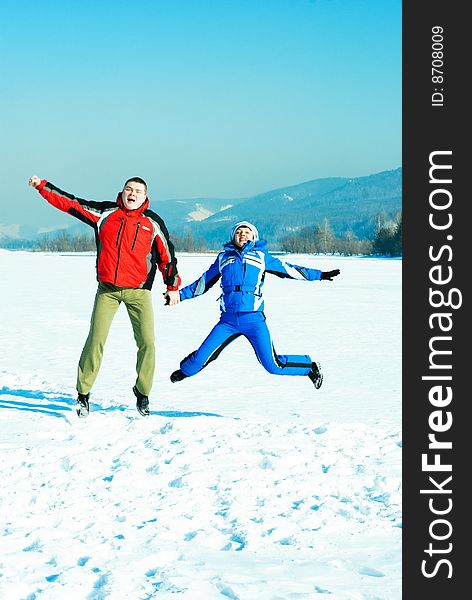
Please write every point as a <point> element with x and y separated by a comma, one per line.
<point>142,402</point>
<point>82,407</point>
<point>177,376</point>
<point>316,375</point>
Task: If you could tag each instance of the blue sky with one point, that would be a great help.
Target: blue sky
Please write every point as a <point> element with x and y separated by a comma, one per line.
<point>201,98</point>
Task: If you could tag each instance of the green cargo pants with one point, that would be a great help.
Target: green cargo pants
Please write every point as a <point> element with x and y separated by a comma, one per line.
<point>138,303</point>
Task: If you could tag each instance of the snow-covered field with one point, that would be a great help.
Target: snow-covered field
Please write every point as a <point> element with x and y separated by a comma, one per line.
<point>241,484</point>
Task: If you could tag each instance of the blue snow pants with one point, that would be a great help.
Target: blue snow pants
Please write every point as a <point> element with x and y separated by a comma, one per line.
<point>251,325</point>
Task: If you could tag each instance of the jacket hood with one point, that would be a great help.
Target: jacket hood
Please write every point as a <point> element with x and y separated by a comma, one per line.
<point>252,227</point>
<point>144,206</point>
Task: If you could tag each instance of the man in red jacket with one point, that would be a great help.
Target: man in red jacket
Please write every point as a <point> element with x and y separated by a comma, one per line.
<point>132,243</point>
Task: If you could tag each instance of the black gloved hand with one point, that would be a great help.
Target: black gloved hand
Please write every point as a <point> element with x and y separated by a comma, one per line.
<point>328,275</point>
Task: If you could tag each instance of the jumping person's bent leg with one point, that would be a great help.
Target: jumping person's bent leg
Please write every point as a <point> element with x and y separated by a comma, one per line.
<point>139,306</point>
<point>222,334</point>
<point>254,327</point>
<point>104,309</point>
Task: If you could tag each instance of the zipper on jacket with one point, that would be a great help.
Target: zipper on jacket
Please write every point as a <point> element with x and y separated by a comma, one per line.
<point>240,256</point>
<point>119,231</point>
<point>118,243</point>
<point>138,225</point>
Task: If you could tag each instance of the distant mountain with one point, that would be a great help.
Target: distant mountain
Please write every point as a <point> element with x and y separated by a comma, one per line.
<point>176,213</point>
<point>25,232</point>
<point>348,204</point>
<point>179,213</point>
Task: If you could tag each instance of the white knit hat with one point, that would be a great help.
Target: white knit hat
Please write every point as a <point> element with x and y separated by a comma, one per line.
<point>252,227</point>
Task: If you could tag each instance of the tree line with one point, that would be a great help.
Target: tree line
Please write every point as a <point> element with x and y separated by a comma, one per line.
<point>64,241</point>
<point>317,239</point>
<point>320,239</point>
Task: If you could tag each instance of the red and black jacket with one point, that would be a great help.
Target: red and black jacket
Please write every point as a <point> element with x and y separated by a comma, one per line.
<point>131,244</point>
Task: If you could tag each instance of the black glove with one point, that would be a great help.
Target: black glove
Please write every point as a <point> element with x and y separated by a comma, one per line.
<point>328,275</point>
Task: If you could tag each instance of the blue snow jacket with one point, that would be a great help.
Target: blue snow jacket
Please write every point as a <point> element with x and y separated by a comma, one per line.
<point>242,273</point>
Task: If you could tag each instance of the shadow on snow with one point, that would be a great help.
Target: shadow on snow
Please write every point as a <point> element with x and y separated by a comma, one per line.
<point>187,414</point>
<point>55,405</point>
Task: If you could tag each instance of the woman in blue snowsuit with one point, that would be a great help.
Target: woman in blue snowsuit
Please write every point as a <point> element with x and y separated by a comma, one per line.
<point>242,267</point>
